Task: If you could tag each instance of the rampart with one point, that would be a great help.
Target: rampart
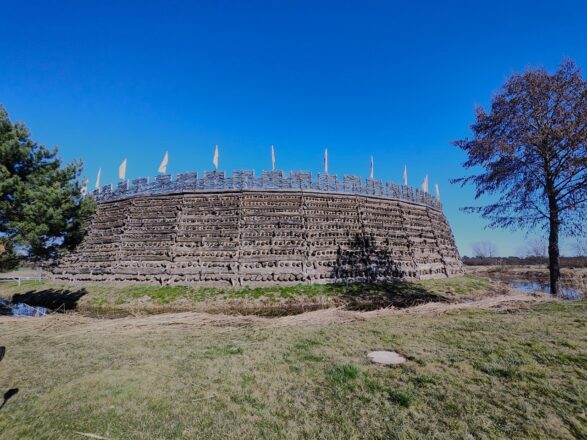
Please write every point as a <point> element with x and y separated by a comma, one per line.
<point>256,237</point>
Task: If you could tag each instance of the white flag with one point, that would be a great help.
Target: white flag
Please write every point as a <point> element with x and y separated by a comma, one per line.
<point>164,162</point>
<point>122,170</point>
<point>272,158</point>
<point>326,161</point>
<point>405,175</point>
<point>371,174</point>
<point>98,179</point>
<point>425,184</point>
<point>437,191</point>
<point>215,160</point>
<point>84,190</point>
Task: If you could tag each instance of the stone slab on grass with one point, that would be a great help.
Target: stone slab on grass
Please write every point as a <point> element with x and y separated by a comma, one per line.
<point>386,357</point>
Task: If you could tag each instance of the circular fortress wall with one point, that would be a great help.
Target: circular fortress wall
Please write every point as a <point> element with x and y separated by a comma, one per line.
<point>254,238</point>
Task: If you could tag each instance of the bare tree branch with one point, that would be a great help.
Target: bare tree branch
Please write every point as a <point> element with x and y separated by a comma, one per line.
<point>532,148</point>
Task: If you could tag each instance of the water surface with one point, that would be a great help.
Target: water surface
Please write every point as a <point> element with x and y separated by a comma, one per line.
<point>543,287</point>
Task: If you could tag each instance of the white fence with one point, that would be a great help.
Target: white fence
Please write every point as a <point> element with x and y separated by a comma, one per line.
<point>19,279</point>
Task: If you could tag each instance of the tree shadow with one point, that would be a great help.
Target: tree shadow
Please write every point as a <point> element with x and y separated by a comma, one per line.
<point>382,294</point>
<point>4,309</point>
<point>53,299</point>
<point>371,279</point>
<point>364,262</point>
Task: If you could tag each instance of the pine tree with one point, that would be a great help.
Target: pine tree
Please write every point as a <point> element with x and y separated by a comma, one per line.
<point>41,208</point>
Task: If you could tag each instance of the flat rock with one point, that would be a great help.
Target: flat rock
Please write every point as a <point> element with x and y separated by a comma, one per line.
<point>386,357</point>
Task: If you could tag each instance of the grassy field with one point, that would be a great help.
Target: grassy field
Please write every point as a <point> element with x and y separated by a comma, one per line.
<point>515,372</point>
<point>107,300</point>
<point>482,363</point>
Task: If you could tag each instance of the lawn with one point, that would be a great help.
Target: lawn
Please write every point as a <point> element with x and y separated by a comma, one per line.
<point>471,373</point>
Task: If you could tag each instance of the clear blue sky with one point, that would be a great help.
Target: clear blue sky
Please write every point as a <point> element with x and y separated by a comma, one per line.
<point>106,80</point>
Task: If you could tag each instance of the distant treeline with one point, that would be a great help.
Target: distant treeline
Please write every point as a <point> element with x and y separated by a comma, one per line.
<point>517,261</point>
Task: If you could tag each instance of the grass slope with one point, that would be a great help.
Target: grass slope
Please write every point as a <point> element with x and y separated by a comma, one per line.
<point>112,300</point>
<point>471,374</point>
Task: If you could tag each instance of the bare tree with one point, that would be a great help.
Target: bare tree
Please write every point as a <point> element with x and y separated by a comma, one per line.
<point>531,149</point>
<point>484,249</point>
<point>536,247</point>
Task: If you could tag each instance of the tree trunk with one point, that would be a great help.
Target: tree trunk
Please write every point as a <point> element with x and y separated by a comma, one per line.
<point>553,248</point>
<point>554,257</point>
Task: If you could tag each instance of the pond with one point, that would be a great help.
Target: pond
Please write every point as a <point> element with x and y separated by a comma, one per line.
<point>543,287</point>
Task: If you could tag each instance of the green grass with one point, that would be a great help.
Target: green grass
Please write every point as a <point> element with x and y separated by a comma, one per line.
<point>463,286</point>
<point>402,397</point>
<point>470,374</point>
<point>342,373</point>
<point>123,300</point>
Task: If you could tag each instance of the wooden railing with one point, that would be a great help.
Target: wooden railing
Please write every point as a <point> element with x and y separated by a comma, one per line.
<point>215,181</point>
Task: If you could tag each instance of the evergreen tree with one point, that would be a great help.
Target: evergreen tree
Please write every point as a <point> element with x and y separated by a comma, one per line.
<point>41,208</point>
<point>8,258</point>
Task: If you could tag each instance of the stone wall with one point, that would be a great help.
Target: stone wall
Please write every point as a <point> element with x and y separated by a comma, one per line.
<point>254,238</point>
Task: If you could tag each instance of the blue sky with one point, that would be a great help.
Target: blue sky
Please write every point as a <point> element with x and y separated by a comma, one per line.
<point>399,80</point>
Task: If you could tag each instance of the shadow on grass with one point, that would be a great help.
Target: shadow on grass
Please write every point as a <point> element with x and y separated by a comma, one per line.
<point>356,296</point>
<point>7,395</point>
<point>400,294</point>
<point>53,299</point>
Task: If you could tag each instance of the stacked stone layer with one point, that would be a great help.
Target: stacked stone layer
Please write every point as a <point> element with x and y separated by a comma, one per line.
<point>255,238</point>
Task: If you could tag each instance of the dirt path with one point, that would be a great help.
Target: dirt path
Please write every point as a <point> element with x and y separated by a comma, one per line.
<point>64,325</point>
